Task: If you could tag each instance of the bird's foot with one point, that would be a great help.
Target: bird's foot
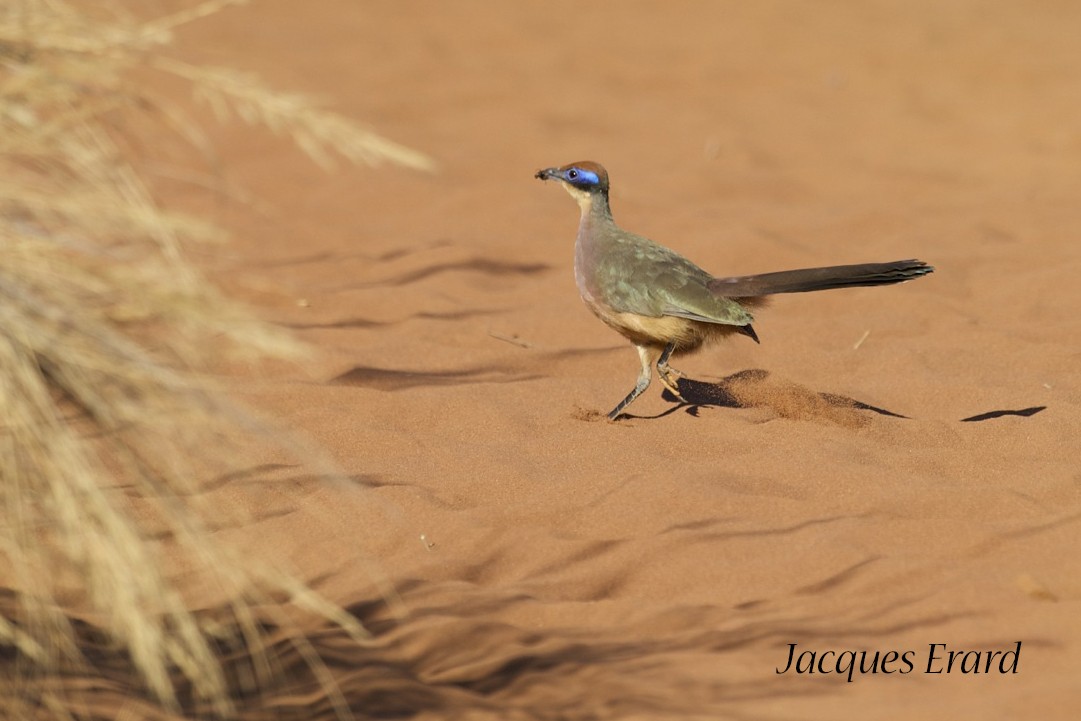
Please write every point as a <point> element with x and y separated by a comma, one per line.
<point>666,370</point>
<point>669,377</point>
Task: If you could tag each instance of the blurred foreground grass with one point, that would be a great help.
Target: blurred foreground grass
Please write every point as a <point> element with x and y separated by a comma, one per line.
<point>106,334</point>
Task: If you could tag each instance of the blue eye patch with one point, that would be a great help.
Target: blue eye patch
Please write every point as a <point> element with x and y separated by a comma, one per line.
<point>577,176</point>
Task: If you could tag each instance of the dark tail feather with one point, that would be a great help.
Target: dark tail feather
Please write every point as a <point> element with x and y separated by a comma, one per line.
<point>808,279</point>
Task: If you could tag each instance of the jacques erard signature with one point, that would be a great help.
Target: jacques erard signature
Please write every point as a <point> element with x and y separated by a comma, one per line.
<point>937,659</point>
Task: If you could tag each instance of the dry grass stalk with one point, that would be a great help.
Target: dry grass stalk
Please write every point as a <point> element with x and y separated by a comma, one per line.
<point>105,330</point>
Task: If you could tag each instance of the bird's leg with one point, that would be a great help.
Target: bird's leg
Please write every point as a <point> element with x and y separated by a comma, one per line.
<point>665,372</point>
<point>645,354</point>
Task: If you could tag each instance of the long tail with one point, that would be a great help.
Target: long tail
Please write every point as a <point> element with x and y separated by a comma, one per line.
<point>808,279</point>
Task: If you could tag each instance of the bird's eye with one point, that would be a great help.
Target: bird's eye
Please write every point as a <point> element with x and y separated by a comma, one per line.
<point>572,174</point>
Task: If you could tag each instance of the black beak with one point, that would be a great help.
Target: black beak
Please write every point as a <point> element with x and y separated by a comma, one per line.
<point>548,174</point>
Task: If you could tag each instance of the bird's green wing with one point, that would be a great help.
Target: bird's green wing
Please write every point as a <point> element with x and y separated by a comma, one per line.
<point>644,278</point>
<point>689,298</point>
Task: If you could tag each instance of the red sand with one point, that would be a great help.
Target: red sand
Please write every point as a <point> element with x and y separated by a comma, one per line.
<point>554,566</point>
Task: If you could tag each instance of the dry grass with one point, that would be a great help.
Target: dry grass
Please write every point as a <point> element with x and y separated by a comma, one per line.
<point>105,335</point>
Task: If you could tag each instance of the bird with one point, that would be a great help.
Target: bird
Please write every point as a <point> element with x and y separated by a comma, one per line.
<point>665,304</point>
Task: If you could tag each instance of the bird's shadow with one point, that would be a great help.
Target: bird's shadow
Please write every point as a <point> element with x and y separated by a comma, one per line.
<point>756,388</point>
<point>733,392</point>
